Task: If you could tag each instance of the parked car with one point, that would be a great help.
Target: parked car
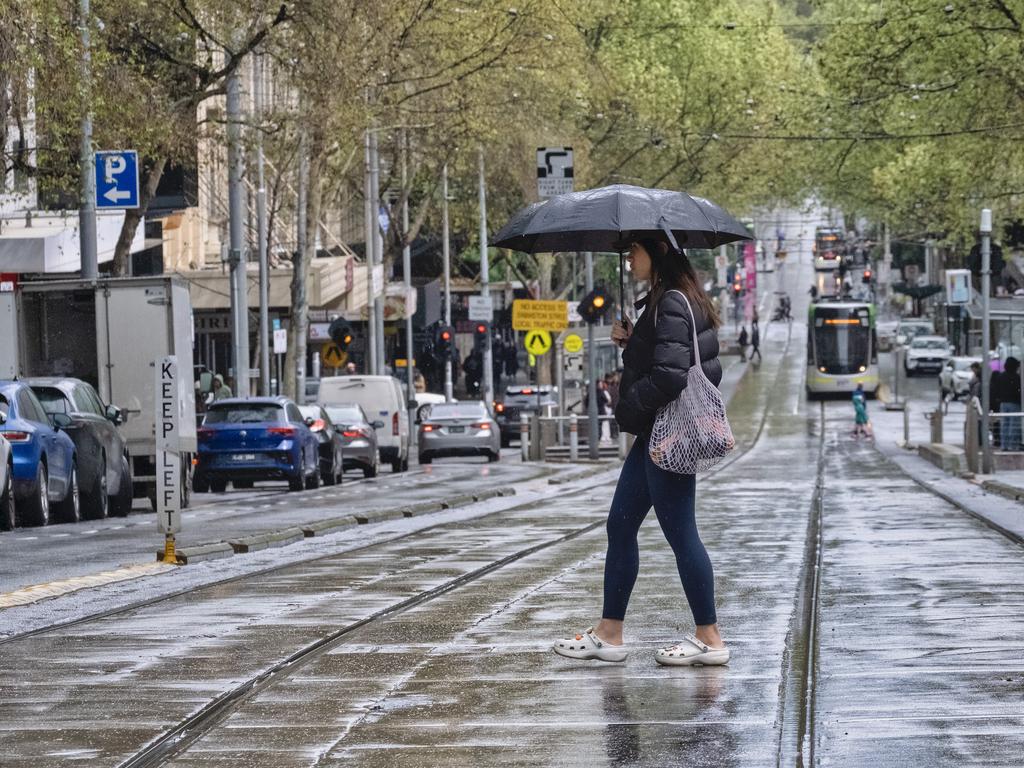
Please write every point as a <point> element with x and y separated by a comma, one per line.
<point>459,429</point>
<point>329,439</point>
<point>243,440</point>
<point>910,327</point>
<point>104,466</point>
<point>358,437</point>
<point>45,469</point>
<point>383,400</point>
<point>955,376</point>
<point>519,400</point>
<point>8,519</point>
<point>926,353</point>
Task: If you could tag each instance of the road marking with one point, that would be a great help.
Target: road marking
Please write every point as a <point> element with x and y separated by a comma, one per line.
<point>38,592</point>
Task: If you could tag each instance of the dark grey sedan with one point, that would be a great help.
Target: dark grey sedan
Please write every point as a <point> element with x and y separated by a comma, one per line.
<point>358,437</point>
<point>104,468</point>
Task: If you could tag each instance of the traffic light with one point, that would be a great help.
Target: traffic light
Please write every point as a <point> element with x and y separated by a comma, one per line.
<point>737,286</point>
<point>866,277</point>
<point>480,333</point>
<point>444,341</point>
<point>594,305</point>
<point>340,333</point>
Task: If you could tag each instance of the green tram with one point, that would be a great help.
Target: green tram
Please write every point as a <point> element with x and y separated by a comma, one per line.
<point>842,348</point>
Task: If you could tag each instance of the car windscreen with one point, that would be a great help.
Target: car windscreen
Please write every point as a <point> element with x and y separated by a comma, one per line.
<point>458,411</point>
<point>349,414</point>
<point>928,344</point>
<point>244,413</point>
<point>53,399</point>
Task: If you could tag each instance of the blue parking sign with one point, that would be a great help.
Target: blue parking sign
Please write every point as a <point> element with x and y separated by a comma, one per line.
<point>117,179</point>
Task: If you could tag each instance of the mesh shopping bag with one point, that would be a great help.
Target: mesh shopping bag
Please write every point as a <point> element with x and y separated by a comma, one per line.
<point>692,434</point>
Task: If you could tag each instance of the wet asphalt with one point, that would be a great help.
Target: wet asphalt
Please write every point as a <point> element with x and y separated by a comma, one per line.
<point>433,649</point>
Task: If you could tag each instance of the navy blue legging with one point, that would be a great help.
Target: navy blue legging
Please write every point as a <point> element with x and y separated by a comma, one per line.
<point>641,484</point>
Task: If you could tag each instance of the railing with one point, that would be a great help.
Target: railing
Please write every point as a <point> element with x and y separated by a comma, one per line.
<point>972,432</point>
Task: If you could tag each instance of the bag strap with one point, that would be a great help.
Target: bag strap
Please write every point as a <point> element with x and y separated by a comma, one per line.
<point>693,322</point>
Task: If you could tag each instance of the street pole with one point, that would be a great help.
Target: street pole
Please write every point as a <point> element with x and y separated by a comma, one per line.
<point>485,289</point>
<point>593,430</point>
<point>446,257</point>
<point>261,228</point>
<point>407,275</point>
<point>369,215</point>
<point>300,320</point>
<point>378,253</point>
<point>236,254</point>
<point>986,372</point>
<point>87,161</point>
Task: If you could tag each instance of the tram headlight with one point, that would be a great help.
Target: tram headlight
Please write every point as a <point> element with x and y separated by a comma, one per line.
<point>821,368</point>
<point>863,368</point>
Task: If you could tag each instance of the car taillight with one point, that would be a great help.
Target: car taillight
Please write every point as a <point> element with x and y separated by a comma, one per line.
<point>17,437</point>
<point>483,425</point>
<point>429,427</point>
<point>282,431</point>
<point>204,433</point>
<point>394,423</point>
<point>357,432</point>
<point>317,425</point>
<point>499,407</point>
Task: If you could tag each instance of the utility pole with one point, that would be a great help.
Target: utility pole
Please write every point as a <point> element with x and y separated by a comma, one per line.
<point>378,253</point>
<point>261,227</point>
<point>407,275</point>
<point>300,319</point>
<point>446,257</point>
<point>236,254</point>
<point>87,161</point>
<point>369,216</point>
<point>593,430</point>
<point>485,288</point>
<point>986,371</point>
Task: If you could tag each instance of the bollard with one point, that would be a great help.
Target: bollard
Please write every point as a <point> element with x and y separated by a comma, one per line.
<point>906,426</point>
<point>971,446</point>
<point>574,438</point>
<point>524,435</point>
<point>623,445</point>
<point>937,425</point>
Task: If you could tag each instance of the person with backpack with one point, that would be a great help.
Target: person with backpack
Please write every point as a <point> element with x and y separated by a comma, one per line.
<point>658,351</point>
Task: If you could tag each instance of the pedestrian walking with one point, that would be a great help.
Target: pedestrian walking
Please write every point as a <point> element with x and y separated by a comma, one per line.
<point>604,402</point>
<point>1010,402</point>
<point>221,390</point>
<point>755,340</point>
<point>861,424</point>
<point>658,351</point>
<point>743,341</point>
<point>995,390</point>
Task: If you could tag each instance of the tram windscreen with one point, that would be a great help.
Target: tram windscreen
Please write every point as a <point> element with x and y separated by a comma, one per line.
<point>842,339</point>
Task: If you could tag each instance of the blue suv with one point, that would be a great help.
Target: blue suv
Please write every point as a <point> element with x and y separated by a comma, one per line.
<point>243,440</point>
<point>45,468</point>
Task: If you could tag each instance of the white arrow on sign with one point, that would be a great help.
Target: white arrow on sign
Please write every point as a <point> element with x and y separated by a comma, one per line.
<point>114,194</point>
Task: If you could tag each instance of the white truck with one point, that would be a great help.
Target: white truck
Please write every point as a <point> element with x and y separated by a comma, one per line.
<point>108,332</point>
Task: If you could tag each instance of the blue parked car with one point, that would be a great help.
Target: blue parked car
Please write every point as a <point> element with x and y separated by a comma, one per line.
<point>45,469</point>
<point>243,440</point>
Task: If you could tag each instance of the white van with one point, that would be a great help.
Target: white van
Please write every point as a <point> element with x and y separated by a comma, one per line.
<point>383,400</point>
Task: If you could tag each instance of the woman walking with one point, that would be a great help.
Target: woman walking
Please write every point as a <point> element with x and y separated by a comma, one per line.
<point>657,356</point>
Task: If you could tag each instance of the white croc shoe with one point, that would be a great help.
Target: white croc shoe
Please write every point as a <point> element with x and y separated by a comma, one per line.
<point>589,646</point>
<point>691,652</point>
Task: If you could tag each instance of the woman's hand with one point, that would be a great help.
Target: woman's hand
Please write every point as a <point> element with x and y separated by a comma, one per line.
<point>621,331</point>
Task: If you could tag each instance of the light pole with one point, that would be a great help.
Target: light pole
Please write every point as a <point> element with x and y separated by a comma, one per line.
<point>407,274</point>
<point>378,252</point>
<point>87,161</point>
<point>236,256</point>
<point>986,372</point>
<point>485,288</point>
<point>261,227</point>
<point>369,218</point>
<point>446,257</point>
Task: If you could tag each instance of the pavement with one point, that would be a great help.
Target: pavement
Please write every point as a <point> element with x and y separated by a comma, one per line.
<point>872,622</point>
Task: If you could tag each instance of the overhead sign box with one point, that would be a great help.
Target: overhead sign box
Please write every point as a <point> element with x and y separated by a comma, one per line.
<point>528,315</point>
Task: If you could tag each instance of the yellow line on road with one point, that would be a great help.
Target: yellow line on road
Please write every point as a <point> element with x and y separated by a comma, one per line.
<point>37,592</point>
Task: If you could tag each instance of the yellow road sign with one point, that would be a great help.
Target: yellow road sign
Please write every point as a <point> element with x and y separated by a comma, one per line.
<point>528,315</point>
<point>537,342</point>
<point>573,343</point>
<point>333,355</point>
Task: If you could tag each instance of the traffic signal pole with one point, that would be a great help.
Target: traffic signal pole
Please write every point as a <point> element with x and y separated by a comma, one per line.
<point>446,257</point>
<point>407,277</point>
<point>593,430</point>
<point>485,290</point>
<point>87,161</point>
<point>369,215</point>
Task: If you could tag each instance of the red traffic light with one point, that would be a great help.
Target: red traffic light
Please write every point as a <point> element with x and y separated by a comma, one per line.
<point>481,328</point>
<point>446,335</point>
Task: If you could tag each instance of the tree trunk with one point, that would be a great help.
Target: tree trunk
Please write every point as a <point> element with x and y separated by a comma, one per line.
<point>132,217</point>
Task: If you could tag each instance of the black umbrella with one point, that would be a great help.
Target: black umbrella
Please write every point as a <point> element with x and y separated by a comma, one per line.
<point>609,218</point>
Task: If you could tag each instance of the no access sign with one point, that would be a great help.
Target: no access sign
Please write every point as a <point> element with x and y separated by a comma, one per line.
<point>529,314</point>
<point>117,179</point>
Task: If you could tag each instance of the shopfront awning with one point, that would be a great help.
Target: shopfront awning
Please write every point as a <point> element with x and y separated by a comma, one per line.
<point>47,243</point>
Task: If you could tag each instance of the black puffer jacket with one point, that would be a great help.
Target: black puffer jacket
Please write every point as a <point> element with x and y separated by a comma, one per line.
<point>657,360</point>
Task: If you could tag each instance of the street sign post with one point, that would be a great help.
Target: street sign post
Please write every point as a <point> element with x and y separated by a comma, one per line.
<point>528,315</point>
<point>554,171</point>
<point>117,179</point>
<point>537,342</point>
<point>168,457</point>
<point>481,309</point>
<point>280,341</point>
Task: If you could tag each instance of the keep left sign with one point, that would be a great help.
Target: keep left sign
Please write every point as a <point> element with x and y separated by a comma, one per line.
<point>117,179</point>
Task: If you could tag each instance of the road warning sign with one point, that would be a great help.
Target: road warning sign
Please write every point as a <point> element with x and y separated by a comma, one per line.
<point>537,342</point>
<point>528,314</point>
<point>333,355</point>
<point>573,343</point>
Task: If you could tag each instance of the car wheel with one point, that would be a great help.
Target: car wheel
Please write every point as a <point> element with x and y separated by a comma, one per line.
<point>313,481</point>
<point>370,471</point>
<point>200,484</point>
<point>328,475</point>
<point>297,481</point>
<point>425,458</point>
<point>121,505</point>
<point>37,505</point>
<point>97,501</point>
<point>493,457</point>
<point>70,507</point>
<point>7,515</point>
<point>218,486</point>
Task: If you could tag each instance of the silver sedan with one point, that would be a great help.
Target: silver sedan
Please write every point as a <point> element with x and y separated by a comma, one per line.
<point>459,429</point>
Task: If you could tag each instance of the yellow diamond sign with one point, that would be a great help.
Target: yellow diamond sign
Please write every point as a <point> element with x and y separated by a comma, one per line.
<point>537,342</point>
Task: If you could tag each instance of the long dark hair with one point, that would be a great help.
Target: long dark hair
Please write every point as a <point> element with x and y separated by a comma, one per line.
<point>673,271</point>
